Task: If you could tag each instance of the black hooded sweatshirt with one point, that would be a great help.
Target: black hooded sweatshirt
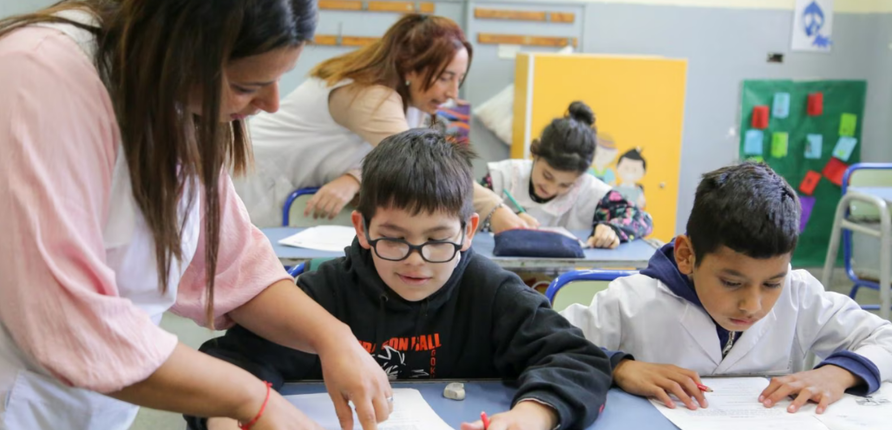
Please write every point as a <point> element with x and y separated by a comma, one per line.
<point>483,323</point>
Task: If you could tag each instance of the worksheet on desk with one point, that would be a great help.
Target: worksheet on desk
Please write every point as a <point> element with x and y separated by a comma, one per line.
<point>861,413</point>
<point>331,238</point>
<point>410,412</point>
<point>734,405</point>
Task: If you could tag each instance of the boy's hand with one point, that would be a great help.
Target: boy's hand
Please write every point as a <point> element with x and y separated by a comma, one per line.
<point>604,237</point>
<point>823,386</point>
<point>660,380</point>
<point>526,415</point>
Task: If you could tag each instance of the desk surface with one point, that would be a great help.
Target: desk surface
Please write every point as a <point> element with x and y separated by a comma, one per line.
<point>884,193</point>
<point>633,254</point>
<point>623,411</point>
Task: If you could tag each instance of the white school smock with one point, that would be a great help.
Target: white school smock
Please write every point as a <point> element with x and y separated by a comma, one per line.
<point>574,210</point>
<point>641,316</point>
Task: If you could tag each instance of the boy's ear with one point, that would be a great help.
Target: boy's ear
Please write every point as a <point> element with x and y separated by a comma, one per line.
<point>470,230</point>
<point>356,217</point>
<point>684,254</point>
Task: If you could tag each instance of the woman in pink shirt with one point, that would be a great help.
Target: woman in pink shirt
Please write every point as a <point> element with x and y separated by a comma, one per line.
<point>119,121</point>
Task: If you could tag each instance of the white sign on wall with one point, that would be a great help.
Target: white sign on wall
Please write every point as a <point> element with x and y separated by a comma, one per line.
<point>813,25</point>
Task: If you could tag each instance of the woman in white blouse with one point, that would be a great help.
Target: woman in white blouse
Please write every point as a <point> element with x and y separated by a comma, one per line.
<point>347,106</point>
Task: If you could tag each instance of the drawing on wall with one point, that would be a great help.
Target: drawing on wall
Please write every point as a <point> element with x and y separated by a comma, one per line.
<point>605,154</point>
<point>630,169</point>
<point>813,25</point>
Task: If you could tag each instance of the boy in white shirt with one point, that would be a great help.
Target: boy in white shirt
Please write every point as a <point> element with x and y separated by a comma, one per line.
<point>722,300</point>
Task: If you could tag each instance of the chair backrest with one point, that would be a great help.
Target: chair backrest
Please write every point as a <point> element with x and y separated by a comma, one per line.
<point>297,270</point>
<point>580,286</point>
<point>867,175</point>
<point>293,211</point>
<point>860,256</point>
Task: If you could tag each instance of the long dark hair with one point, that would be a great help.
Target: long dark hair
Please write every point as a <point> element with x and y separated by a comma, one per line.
<point>153,55</point>
<point>416,43</point>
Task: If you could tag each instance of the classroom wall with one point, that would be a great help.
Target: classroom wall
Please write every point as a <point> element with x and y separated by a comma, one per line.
<point>725,41</point>
<point>725,46</point>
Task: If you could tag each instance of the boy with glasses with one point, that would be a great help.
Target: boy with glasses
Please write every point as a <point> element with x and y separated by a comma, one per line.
<point>427,307</point>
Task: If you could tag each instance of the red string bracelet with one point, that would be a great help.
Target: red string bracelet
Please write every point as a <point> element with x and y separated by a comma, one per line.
<point>259,414</point>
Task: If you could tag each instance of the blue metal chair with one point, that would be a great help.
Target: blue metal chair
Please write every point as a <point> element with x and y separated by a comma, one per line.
<point>848,227</point>
<point>583,275</point>
<point>297,270</point>
<point>286,210</point>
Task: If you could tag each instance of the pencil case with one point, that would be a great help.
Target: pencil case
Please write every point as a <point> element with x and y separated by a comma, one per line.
<point>536,243</point>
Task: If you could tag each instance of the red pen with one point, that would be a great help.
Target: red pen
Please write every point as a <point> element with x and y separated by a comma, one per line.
<point>485,420</point>
<point>704,388</point>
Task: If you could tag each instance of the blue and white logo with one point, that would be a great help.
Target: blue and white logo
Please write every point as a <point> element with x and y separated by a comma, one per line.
<point>813,25</point>
<point>813,21</point>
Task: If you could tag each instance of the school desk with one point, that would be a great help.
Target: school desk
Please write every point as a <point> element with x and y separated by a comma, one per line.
<point>623,410</point>
<point>634,254</point>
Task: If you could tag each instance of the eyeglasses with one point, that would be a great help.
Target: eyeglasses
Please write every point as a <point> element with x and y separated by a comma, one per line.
<point>432,251</point>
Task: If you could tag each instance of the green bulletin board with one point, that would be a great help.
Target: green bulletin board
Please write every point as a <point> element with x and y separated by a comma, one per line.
<point>839,97</point>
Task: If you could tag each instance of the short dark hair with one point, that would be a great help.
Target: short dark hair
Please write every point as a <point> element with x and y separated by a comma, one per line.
<point>568,143</point>
<point>635,155</point>
<point>748,208</point>
<point>418,170</point>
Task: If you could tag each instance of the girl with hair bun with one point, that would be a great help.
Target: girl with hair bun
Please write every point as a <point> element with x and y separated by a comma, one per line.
<point>554,190</point>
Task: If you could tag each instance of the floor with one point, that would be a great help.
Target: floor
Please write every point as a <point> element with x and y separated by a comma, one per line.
<point>194,336</point>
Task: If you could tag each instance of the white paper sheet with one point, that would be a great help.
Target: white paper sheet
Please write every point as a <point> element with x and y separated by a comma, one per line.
<point>873,412</point>
<point>410,412</point>
<point>333,238</point>
<point>734,405</point>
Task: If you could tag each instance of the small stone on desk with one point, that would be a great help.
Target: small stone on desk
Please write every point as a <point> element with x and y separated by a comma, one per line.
<point>454,391</point>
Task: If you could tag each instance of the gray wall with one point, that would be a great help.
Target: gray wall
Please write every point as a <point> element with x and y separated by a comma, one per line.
<point>723,47</point>
<point>12,7</point>
<point>726,46</point>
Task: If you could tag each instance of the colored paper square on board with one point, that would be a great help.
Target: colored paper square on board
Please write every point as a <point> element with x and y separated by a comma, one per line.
<point>752,144</point>
<point>809,182</point>
<point>756,159</point>
<point>834,170</point>
<point>844,147</point>
<point>760,117</point>
<point>847,124</point>
<point>781,106</point>
<point>815,106</point>
<point>814,146</point>
<point>779,143</point>
<point>806,204</point>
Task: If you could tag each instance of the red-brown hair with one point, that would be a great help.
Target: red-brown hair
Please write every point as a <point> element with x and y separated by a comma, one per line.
<point>416,43</point>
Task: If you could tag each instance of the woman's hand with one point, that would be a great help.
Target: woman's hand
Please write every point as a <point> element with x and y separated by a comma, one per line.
<point>279,414</point>
<point>330,199</point>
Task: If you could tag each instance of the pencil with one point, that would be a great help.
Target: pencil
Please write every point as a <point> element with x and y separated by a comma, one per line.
<point>510,197</point>
<point>704,388</point>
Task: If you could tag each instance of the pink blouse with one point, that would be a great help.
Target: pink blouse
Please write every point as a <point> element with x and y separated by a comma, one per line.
<point>58,297</point>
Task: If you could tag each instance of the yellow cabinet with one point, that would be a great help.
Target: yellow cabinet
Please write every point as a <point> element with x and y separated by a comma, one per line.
<point>639,110</point>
